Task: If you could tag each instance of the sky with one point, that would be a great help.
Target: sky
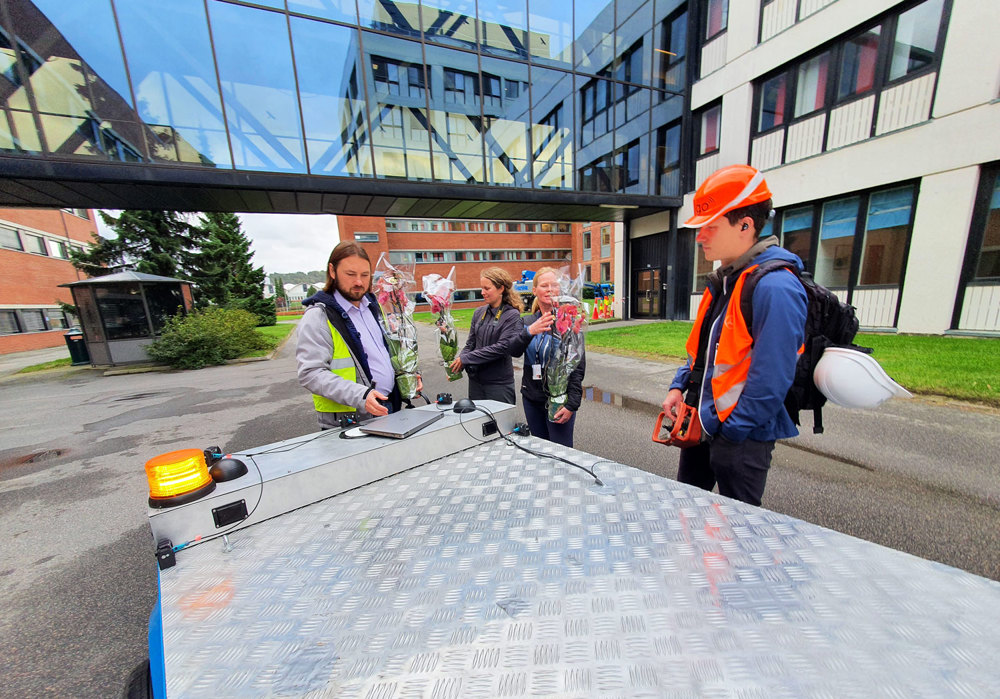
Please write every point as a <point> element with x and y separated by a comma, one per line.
<point>282,242</point>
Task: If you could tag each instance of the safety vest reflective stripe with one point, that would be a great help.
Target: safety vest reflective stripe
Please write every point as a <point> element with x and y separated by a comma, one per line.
<point>342,364</point>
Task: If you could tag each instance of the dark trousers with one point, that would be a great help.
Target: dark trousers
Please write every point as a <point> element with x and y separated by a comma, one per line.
<point>503,392</point>
<point>538,422</point>
<point>740,468</point>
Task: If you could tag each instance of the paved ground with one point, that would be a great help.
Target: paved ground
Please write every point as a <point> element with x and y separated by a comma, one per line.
<point>76,570</point>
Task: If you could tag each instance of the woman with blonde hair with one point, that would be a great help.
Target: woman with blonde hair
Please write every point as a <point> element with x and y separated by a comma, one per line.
<point>537,343</point>
<point>486,356</point>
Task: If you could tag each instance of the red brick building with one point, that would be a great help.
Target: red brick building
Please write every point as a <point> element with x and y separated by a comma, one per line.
<point>435,245</point>
<point>34,261</point>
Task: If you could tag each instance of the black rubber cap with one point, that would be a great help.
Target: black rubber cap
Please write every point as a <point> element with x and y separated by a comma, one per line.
<point>227,469</point>
<point>464,405</point>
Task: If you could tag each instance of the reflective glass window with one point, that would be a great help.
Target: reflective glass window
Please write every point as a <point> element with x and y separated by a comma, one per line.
<point>258,86</point>
<point>858,60</point>
<point>33,244</point>
<point>811,84</point>
<point>988,264</point>
<point>451,22</point>
<point>552,128</point>
<point>389,16</point>
<point>836,242</point>
<point>672,51</point>
<point>10,239</point>
<point>506,123</point>
<point>33,321</point>
<point>716,17</point>
<point>668,154</point>
<point>796,233</point>
<point>164,301</point>
<point>773,100</point>
<point>333,106</point>
<point>8,323</point>
<point>886,235</point>
<point>340,10</point>
<point>58,249</point>
<point>173,74</point>
<point>551,34</point>
<point>122,312</point>
<point>456,121</point>
<point>503,27</point>
<point>710,124</point>
<point>916,38</point>
<point>594,26</point>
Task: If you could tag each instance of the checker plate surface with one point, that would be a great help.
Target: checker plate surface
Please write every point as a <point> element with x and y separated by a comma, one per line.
<point>493,573</point>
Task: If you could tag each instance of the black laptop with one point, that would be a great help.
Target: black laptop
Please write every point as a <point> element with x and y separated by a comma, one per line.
<point>401,424</point>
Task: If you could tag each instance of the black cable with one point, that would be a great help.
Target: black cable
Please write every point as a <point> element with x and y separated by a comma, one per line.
<point>540,455</point>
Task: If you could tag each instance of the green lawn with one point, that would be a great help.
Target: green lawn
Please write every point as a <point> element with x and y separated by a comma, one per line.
<point>47,365</point>
<point>462,316</point>
<point>965,368</point>
<point>274,335</point>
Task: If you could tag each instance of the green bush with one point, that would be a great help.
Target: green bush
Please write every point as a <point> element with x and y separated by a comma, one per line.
<point>262,308</point>
<point>207,337</point>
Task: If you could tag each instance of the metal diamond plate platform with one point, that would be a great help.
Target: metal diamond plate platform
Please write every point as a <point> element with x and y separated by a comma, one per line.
<point>493,573</point>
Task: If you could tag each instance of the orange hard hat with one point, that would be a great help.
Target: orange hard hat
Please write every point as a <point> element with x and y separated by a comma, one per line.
<point>726,189</point>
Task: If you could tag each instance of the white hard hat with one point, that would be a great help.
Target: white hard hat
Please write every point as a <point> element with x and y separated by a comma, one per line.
<point>854,379</point>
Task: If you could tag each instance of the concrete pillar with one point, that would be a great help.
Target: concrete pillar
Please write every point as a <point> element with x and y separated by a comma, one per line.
<point>937,249</point>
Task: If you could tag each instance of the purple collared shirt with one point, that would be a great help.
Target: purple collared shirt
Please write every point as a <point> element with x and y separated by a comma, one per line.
<point>383,376</point>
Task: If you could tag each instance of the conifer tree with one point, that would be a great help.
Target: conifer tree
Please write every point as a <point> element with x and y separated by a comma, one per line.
<point>152,242</point>
<point>225,275</point>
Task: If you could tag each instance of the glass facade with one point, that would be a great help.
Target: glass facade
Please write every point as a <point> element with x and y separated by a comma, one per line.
<point>533,94</point>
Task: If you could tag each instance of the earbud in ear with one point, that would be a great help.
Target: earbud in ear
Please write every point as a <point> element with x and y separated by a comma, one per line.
<point>745,226</point>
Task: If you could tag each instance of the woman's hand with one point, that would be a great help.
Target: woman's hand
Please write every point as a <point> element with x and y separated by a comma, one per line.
<point>542,325</point>
<point>456,365</point>
<point>562,415</point>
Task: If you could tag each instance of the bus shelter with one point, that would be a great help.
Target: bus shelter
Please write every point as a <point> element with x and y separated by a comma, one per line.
<point>121,314</point>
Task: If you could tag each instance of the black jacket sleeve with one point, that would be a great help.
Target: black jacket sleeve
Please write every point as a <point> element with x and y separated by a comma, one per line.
<point>574,391</point>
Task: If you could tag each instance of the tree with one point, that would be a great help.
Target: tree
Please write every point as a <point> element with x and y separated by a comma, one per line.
<point>224,274</point>
<point>280,295</point>
<point>153,242</point>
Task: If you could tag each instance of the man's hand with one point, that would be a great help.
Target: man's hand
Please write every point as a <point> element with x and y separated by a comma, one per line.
<point>673,399</point>
<point>542,325</point>
<point>456,365</point>
<point>372,405</point>
<point>562,415</point>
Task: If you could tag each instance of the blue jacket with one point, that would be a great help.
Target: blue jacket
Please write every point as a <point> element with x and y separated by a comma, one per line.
<point>779,314</point>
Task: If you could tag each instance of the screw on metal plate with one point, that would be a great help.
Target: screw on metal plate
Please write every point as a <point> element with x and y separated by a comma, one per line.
<point>226,546</point>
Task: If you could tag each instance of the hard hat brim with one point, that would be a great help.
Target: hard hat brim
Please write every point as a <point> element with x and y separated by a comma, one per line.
<point>699,221</point>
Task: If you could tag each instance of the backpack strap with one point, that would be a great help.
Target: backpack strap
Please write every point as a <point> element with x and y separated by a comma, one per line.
<point>750,285</point>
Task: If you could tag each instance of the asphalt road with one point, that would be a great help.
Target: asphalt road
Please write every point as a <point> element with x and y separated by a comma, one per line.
<point>77,576</point>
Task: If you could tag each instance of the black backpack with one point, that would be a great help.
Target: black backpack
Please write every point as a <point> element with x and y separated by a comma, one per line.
<point>829,323</point>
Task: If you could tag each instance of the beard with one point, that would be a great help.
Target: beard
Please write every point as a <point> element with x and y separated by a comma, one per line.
<point>352,294</point>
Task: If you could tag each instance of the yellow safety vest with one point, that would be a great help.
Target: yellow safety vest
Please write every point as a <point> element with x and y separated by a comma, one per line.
<point>343,366</point>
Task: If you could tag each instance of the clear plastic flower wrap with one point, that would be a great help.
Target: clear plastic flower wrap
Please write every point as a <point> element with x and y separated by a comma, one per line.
<point>571,317</point>
<point>391,284</point>
<point>438,291</point>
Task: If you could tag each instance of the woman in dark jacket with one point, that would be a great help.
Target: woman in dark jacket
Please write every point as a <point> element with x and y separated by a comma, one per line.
<point>486,356</point>
<point>537,344</point>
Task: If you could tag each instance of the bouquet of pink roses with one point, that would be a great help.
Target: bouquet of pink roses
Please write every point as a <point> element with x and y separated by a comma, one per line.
<point>438,292</point>
<point>390,288</point>
<point>571,317</point>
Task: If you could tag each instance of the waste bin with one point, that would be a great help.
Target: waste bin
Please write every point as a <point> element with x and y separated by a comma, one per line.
<point>77,347</point>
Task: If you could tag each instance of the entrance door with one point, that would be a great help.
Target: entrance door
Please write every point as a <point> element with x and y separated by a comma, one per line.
<point>648,293</point>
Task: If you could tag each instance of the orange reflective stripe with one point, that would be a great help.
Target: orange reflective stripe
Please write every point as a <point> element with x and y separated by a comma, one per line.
<point>692,341</point>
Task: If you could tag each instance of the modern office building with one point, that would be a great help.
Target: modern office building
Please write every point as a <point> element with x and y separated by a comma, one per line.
<point>874,120</point>
<point>434,246</point>
<point>34,263</point>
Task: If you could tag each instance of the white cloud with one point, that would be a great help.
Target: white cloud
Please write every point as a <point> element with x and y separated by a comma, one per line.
<point>282,242</point>
<point>291,242</point>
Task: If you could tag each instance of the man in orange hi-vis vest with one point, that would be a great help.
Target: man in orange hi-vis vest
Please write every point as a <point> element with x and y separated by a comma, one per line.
<point>736,376</point>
